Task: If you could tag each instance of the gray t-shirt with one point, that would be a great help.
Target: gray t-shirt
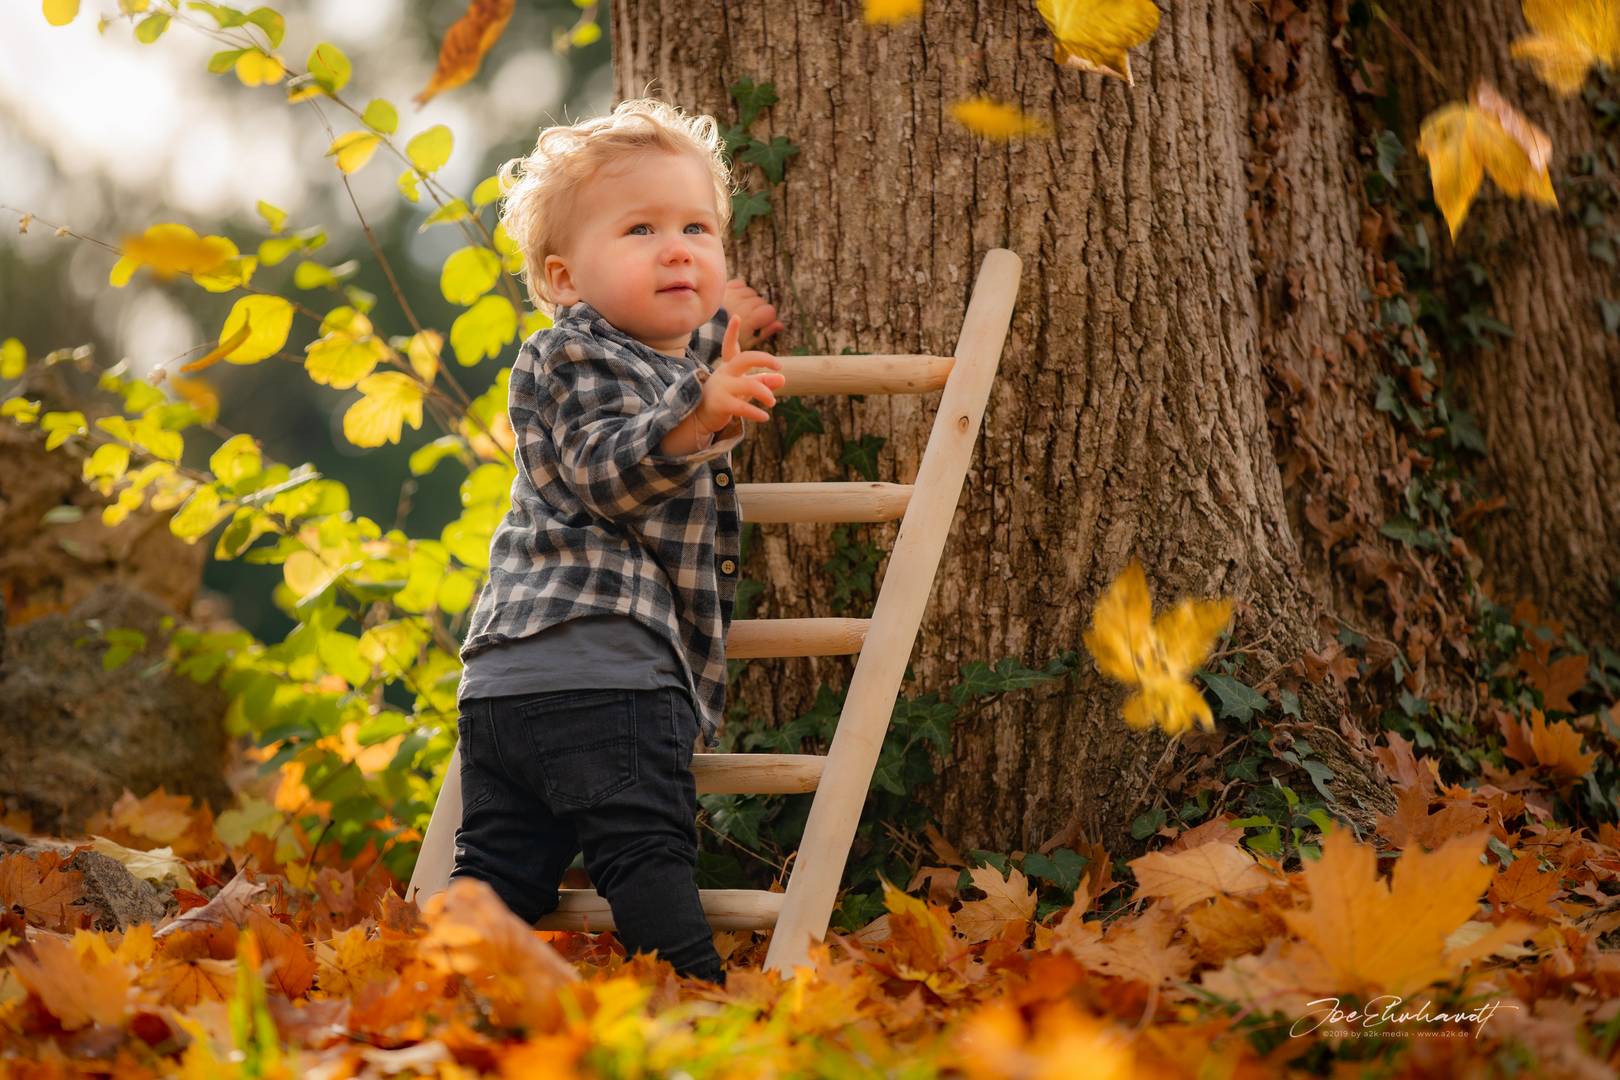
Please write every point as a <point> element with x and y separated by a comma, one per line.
<point>585,652</point>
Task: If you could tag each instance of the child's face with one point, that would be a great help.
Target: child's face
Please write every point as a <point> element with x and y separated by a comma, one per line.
<point>646,224</point>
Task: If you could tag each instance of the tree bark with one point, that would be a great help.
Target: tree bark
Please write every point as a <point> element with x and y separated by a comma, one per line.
<point>1549,397</point>
<point>1130,415</point>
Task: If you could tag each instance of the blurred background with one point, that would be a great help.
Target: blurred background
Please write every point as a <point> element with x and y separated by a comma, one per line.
<point>108,136</point>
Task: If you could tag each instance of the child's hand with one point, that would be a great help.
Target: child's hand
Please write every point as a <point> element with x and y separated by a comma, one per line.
<point>758,316</point>
<point>730,390</point>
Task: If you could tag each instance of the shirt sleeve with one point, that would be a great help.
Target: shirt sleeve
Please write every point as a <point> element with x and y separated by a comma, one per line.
<point>708,339</point>
<point>607,435</point>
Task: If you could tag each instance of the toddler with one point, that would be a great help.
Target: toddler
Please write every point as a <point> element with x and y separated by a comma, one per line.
<point>595,656</point>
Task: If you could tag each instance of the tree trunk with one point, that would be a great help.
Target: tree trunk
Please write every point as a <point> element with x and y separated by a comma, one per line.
<point>1548,398</point>
<point>1160,299</point>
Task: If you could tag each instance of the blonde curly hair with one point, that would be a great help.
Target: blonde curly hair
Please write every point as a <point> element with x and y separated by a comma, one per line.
<point>541,190</point>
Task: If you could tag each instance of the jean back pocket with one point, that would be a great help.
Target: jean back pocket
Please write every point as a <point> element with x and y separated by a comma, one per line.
<point>584,743</point>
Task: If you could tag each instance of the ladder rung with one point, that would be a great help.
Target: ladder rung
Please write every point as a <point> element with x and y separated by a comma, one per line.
<point>856,373</point>
<point>727,909</point>
<point>757,774</point>
<point>757,639</point>
<point>832,501</point>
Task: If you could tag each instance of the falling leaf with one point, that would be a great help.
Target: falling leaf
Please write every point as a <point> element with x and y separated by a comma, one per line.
<point>170,249</point>
<point>989,118</point>
<point>1158,658</point>
<point>1463,142</point>
<point>1097,35</point>
<point>1568,37</point>
<point>883,12</point>
<point>465,44</point>
<point>61,12</point>
<point>1188,877</point>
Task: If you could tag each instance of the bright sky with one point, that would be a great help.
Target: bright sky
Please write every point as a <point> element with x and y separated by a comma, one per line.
<point>202,149</point>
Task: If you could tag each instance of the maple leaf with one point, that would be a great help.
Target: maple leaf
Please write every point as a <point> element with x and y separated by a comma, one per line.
<point>1184,878</point>
<point>1527,887</point>
<point>1464,141</point>
<point>1365,937</point>
<point>1231,927</point>
<point>1097,35</point>
<point>1156,656</point>
<point>73,983</point>
<point>43,891</point>
<point>229,907</point>
<point>1009,902</point>
<point>1555,747</point>
<point>1568,37</point>
<point>1133,948</point>
<point>1556,680</point>
<point>464,45</point>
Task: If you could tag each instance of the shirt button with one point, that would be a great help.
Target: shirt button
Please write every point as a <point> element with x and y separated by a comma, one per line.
<point>728,567</point>
<point>723,479</point>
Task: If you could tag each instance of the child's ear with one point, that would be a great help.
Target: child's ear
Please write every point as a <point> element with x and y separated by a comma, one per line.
<point>560,281</point>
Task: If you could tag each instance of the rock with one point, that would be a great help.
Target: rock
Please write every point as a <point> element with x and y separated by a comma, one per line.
<point>50,567</point>
<point>115,898</point>
<point>73,736</point>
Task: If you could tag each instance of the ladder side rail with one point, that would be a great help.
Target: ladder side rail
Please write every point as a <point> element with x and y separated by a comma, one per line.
<point>896,618</point>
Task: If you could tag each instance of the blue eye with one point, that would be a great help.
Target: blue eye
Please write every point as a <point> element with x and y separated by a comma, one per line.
<point>633,228</point>
<point>701,227</point>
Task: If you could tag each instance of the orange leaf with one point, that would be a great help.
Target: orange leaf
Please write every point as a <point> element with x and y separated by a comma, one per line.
<point>465,44</point>
<point>1527,887</point>
<point>1367,937</point>
<point>45,892</point>
<point>1009,902</point>
<point>1556,680</point>
<point>225,348</point>
<point>73,984</point>
<point>1185,878</point>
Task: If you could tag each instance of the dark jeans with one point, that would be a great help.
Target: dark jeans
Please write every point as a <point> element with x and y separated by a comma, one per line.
<point>609,772</point>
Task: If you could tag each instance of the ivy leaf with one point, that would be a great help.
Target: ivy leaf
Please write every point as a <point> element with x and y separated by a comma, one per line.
<point>752,97</point>
<point>771,157</point>
<point>1239,701</point>
<point>861,455</point>
<point>747,206</point>
<point>799,420</point>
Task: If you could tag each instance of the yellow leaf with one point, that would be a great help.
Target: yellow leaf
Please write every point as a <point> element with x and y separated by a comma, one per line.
<point>13,358</point>
<point>1462,142</point>
<point>347,352</point>
<point>269,319</point>
<point>61,12</point>
<point>391,400</point>
<point>465,44</point>
<point>256,68</point>
<point>983,116</point>
<point>880,12</point>
<point>1158,658</point>
<point>171,249</point>
<point>428,150</point>
<point>424,351</point>
<point>1568,37</point>
<point>226,344</point>
<point>468,274</point>
<point>1097,35</point>
<point>354,149</point>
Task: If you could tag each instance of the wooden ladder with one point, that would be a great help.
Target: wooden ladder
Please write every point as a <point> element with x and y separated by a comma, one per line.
<point>842,778</point>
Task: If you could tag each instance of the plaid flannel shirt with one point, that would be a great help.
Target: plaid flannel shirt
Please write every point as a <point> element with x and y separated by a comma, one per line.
<point>601,521</point>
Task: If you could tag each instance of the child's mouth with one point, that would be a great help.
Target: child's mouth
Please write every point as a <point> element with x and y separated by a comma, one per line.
<point>677,289</point>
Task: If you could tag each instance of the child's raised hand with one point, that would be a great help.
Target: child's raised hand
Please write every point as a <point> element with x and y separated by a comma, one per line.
<point>731,390</point>
<point>758,315</point>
